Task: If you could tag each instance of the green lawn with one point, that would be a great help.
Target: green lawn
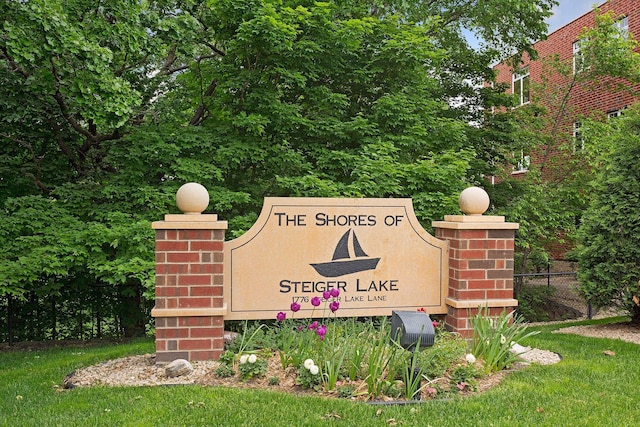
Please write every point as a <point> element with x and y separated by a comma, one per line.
<point>588,388</point>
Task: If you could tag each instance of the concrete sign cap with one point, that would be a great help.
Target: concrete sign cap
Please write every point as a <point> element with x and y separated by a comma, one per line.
<point>474,201</point>
<point>192,198</point>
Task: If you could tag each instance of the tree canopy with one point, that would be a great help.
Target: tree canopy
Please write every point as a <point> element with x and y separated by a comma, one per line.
<point>108,107</point>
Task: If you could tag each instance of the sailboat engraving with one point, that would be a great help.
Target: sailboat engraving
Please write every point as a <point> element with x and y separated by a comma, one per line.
<point>342,262</point>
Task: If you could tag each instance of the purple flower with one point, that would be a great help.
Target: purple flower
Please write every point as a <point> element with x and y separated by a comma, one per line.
<point>315,301</point>
<point>295,306</point>
<point>281,316</point>
<point>300,327</point>
<point>435,323</point>
<point>321,331</point>
<point>313,325</point>
<point>334,306</point>
<point>334,292</point>
<point>326,295</point>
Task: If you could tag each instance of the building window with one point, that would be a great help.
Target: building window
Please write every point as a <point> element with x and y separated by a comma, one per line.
<point>578,56</point>
<point>613,114</point>
<point>578,139</point>
<point>520,86</point>
<point>623,26</point>
<point>523,163</point>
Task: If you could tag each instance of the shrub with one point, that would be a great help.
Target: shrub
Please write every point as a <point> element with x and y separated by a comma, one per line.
<point>532,301</point>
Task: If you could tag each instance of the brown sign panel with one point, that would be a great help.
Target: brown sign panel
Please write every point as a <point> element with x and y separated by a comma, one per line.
<point>373,250</point>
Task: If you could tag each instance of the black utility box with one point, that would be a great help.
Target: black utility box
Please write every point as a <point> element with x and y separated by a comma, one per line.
<point>409,326</point>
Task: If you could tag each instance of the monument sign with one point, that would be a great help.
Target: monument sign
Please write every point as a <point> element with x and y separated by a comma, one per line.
<point>374,251</point>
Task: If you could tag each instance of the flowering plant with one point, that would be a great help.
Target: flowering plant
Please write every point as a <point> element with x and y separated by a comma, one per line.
<point>251,366</point>
<point>296,340</point>
<point>309,375</point>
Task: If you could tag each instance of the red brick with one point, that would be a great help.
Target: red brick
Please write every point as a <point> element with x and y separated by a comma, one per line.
<point>460,264</point>
<point>459,244</point>
<point>500,294</point>
<point>472,234</point>
<point>501,234</point>
<point>183,257</point>
<point>199,344</point>
<point>196,321</point>
<point>499,274</point>
<point>482,244</point>
<point>195,235</point>
<point>172,246</point>
<point>205,332</point>
<point>481,284</point>
<point>500,254</point>
<point>202,268</point>
<point>211,246</point>
<point>467,294</point>
<point>195,355</point>
<point>192,279</point>
<point>472,254</point>
<point>172,333</point>
<point>471,274</point>
<point>201,291</point>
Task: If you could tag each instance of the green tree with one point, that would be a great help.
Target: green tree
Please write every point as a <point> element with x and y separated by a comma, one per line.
<point>609,235</point>
<point>108,107</point>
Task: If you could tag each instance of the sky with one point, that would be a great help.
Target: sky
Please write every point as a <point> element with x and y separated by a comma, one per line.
<point>569,10</point>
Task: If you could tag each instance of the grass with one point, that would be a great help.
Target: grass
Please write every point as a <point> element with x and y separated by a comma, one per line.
<point>588,388</point>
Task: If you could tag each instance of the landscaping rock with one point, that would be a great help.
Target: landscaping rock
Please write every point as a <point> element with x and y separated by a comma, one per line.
<point>178,368</point>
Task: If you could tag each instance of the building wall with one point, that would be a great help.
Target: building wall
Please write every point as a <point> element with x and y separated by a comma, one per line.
<point>583,101</point>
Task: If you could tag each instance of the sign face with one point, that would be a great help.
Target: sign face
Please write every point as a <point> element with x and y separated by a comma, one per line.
<point>374,251</point>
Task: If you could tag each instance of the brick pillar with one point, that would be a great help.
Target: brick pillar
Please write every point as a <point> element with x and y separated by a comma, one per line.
<point>189,310</point>
<point>480,267</point>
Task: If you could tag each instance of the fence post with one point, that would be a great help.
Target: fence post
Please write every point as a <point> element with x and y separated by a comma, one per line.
<point>480,261</point>
<point>10,318</point>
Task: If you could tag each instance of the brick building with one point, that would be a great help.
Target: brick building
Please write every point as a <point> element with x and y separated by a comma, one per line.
<point>567,99</point>
<point>582,100</point>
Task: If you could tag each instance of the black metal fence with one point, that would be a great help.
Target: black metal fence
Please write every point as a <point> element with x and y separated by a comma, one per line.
<point>550,296</point>
<point>78,313</point>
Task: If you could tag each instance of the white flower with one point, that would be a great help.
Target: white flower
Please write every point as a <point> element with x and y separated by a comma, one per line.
<point>308,363</point>
<point>252,358</point>
<point>314,370</point>
<point>243,359</point>
<point>470,358</point>
<point>503,339</point>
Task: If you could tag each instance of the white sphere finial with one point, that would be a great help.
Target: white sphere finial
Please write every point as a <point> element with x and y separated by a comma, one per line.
<point>192,198</point>
<point>474,201</point>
